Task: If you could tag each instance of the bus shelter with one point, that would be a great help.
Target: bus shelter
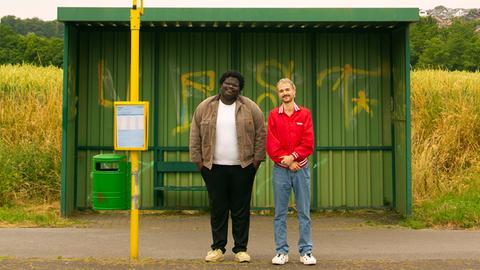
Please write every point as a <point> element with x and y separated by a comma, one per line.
<point>350,65</point>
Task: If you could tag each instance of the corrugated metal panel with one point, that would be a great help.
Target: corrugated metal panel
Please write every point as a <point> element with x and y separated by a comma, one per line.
<point>147,93</point>
<point>264,59</point>
<point>344,78</point>
<point>189,66</point>
<point>353,115</point>
<point>103,76</point>
<point>402,179</point>
<point>354,179</point>
<point>103,73</point>
<point>69,115</point>
<point>146,175</point>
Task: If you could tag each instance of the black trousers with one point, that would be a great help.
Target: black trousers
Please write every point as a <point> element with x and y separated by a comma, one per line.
<point>229,190</point>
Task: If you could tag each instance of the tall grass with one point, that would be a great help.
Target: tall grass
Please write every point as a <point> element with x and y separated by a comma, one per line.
<point>445,132</point>
<point>445,140</point>
<point>30,133</point>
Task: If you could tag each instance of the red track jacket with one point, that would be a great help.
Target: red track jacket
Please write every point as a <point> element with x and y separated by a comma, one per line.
<point>290,135</point>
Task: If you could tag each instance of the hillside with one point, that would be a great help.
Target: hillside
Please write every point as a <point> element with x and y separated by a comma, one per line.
<point>445,16</point>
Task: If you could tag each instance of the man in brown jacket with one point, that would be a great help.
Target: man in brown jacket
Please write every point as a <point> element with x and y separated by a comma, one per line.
<point>227,143</point>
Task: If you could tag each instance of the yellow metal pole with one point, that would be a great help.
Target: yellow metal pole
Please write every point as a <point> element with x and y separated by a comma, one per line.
<point>134,93</point>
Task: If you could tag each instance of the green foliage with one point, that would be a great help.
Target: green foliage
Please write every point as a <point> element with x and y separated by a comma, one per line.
<point>445,149</point>
<point>10,50</point>
<point>456,47</point>
<point>453,209</point>
<point>34,216</point>
<point>30,133</point>
<point>46,29</point>
<point>42,51</point>
<point>17,48</point>
<point>426,27</point>
<point>28,172</point>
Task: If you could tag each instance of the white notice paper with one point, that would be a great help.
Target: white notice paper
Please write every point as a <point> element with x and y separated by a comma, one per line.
<point>130,126</point>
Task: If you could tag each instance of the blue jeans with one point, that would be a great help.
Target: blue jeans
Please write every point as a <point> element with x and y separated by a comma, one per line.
<point>283,182</point>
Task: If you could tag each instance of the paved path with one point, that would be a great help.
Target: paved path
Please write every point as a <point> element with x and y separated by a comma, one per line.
<point>186,237</point>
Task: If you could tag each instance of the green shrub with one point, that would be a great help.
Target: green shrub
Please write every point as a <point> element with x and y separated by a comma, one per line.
<point>30,133</point>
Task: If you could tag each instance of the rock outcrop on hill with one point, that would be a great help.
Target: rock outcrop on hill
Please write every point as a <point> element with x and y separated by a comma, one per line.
<point>444,16</point>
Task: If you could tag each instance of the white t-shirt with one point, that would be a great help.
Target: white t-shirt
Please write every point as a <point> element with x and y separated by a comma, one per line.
<point>226,146</point>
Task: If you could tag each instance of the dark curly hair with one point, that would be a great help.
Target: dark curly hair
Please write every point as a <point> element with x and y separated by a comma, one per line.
<point>234,74</point>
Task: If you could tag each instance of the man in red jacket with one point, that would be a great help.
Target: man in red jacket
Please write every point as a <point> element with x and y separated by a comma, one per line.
<point>289,143</point>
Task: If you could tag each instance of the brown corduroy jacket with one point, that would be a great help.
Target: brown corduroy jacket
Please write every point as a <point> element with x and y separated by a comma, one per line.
<point>251,132</point>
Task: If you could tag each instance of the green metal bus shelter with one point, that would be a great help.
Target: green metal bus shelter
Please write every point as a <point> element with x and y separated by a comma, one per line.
<point>350,65</point>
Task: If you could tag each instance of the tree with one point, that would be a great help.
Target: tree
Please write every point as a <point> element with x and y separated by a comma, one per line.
<point>454,48</point>
<point>42,51</point>
<point>47,29</point>
<point>461,45</point>
<point>10,46</point>
<point>16,48</point>
<point>435,55</point>
<point>420,34</point>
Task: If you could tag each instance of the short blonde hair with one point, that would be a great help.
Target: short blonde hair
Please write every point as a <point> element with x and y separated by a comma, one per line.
<point>286,80</point>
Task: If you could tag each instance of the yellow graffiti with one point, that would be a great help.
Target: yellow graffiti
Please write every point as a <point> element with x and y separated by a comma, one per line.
<point>188,82</point>
<point>204,82</point>
<point>361,103</point>
<point>106,85</point>
<point>205,88</point>
<point>72,96</point>
<point>346,72</point>
<point>272,97</point>
<point>285,71</point>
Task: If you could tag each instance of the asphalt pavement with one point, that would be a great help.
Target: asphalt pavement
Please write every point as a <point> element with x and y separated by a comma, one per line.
<point>182,240</point>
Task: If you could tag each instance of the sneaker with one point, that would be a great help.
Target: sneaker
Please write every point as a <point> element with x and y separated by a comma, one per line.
<point>280,259</point>
<point>308,259</point>
<point>242,256</point>
<point>215,255</point>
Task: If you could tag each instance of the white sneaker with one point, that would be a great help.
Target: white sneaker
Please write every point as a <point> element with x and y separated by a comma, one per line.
<point>280,259</point>
<point>242,256</point>
<point>308,259</point>
<point>215,255</point>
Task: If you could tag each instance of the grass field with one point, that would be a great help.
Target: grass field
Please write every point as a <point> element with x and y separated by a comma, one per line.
<point>30,133</point>
<point>445,145</point>
<point>445,148</point>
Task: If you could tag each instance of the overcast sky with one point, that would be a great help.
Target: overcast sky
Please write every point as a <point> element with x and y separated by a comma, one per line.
<point>47,9</point>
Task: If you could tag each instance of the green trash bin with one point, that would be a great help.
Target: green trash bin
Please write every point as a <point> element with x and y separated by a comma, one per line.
<point>111,178</point>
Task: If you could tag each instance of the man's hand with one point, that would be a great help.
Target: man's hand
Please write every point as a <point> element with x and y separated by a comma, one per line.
<point>287,160</point>
<point>199,165</point>
<point>294,166</point>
